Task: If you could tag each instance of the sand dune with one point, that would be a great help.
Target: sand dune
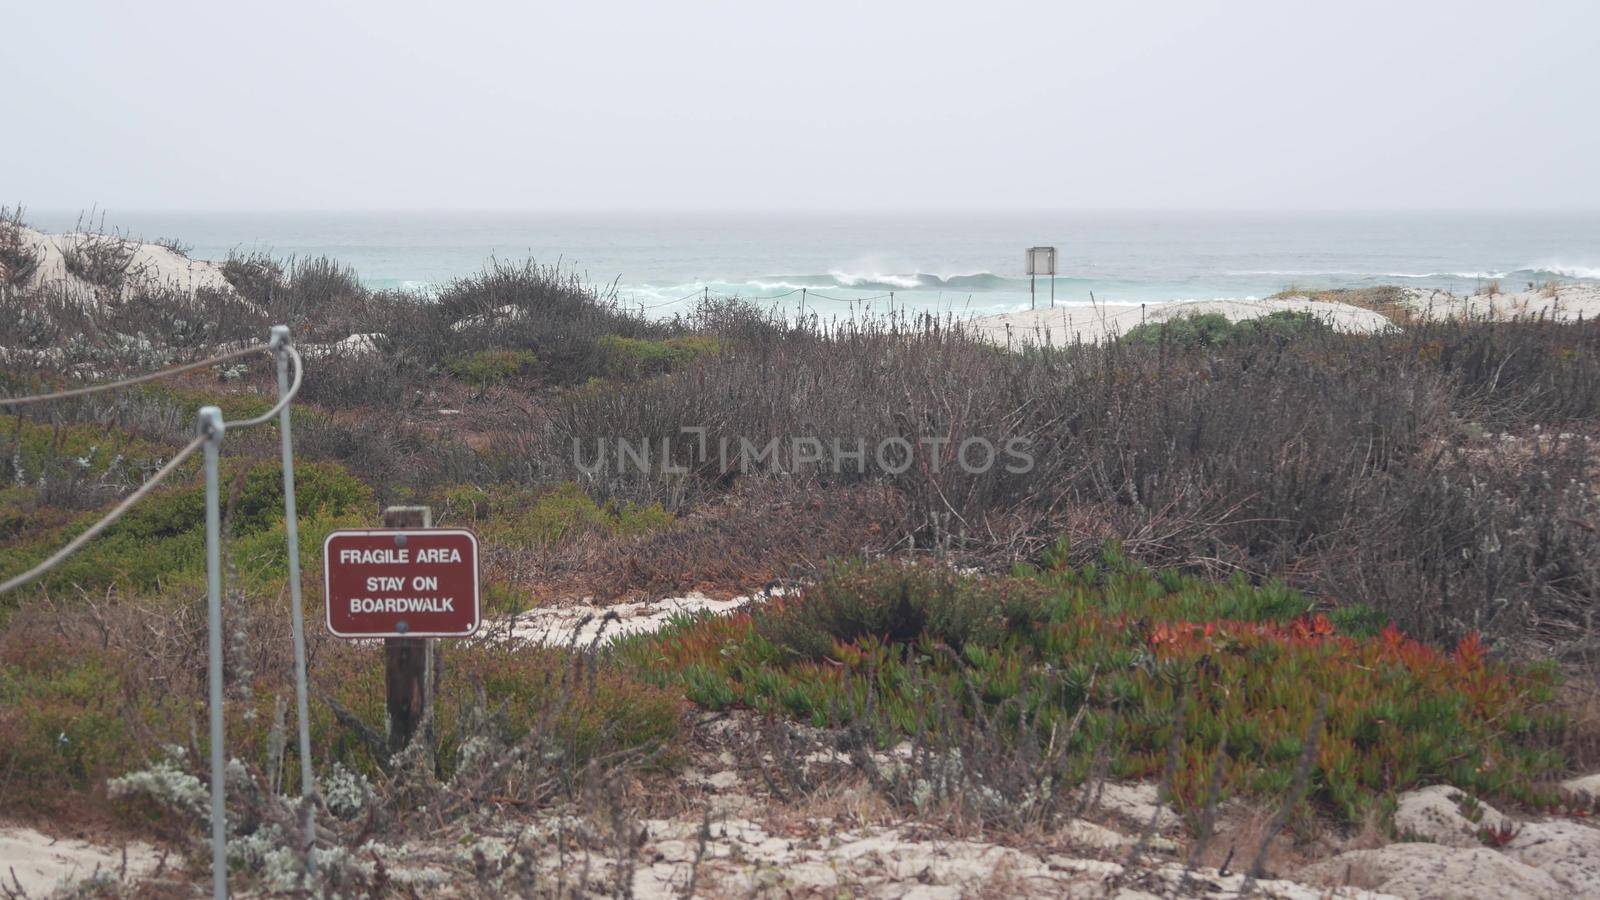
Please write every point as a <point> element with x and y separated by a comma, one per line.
<point>149,268</point>
<point>1563,303</point>
<point>1080,323</point>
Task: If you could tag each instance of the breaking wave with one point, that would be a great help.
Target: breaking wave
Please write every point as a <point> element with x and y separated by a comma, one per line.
<point>877,281</point>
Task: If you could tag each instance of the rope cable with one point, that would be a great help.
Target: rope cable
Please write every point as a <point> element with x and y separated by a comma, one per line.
<point>669,302</point>
<point>111,517</point>
<point>294,389</point>
<point>127,382</point>
<point>188,450</point>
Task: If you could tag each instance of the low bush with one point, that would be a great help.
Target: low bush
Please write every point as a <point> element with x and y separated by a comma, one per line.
<point>350,379</point>
<point>544,310</point>
<point>1214,329</point>
<point>633,358</point>
<point>254,275</point>
<point>487,367</point>
<point>1103,657</point>
<point>30,450</point>
<point>177,317</point>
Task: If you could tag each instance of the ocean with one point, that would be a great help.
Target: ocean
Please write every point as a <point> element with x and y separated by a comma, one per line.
<point>949,262</point>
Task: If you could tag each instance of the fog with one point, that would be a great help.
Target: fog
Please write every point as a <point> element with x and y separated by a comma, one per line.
<point>836,106</point>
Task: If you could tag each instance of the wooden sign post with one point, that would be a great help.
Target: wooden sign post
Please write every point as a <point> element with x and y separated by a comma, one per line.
<point>409,664</point>
<point>409,584</point>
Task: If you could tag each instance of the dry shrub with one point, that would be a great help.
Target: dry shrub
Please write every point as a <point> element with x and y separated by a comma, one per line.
<point>317,297</point>
<point>179,318</point>
<point>48,321</point>
<point>19,260</point>
<point>557,542</point>
<point>1336,461</point>
<point>543,309</point>
<point>754,537</point>
<point>1580,700</point>
<point>101,259</point>
<point>371,379</point>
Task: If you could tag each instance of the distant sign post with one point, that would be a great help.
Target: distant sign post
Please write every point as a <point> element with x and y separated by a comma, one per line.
<point>405,583</point>
<point>1041,261</point>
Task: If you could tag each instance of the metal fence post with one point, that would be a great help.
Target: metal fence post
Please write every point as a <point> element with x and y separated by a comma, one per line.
<point>279,343</point>
<point>210,425</point>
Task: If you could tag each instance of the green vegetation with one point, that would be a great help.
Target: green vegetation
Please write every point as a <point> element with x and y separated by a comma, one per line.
<point>34,450</point>
<point>1215,329</point>
<point>529,519</point>
<point>487,367</point>
<point>1387,299</point>
<point>162,540</point>
<point>902,651</point>
<point>641,357</point>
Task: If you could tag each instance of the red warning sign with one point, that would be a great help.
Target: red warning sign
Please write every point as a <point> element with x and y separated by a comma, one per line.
<point>398,582</point>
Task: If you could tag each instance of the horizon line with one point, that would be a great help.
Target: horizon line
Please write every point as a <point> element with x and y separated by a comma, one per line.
<point>600,211</point>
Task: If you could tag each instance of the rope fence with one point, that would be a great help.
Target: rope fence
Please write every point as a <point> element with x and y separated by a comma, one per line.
<point>210,429</point>
<point>171,466</point>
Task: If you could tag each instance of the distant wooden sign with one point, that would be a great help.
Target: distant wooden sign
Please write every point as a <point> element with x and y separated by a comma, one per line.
<point>401,583</point>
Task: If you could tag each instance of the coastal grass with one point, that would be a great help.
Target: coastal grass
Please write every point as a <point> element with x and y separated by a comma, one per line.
<point>1389,300</point>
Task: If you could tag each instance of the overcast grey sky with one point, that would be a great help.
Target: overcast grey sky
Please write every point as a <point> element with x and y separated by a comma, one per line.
<point>814,105</point>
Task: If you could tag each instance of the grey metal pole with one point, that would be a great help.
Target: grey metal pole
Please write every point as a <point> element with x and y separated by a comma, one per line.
<point>279,342</point>
<point>210,424</point>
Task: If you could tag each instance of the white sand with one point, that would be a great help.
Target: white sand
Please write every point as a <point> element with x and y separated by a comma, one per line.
<point>583,624</point>
<point>1562,303</point>
<point>40,863</point>
<point>150,267</point>
<point>1094,323</point>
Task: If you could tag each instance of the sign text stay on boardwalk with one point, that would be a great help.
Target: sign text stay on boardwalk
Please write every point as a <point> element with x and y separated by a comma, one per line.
<point>401,583</point>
